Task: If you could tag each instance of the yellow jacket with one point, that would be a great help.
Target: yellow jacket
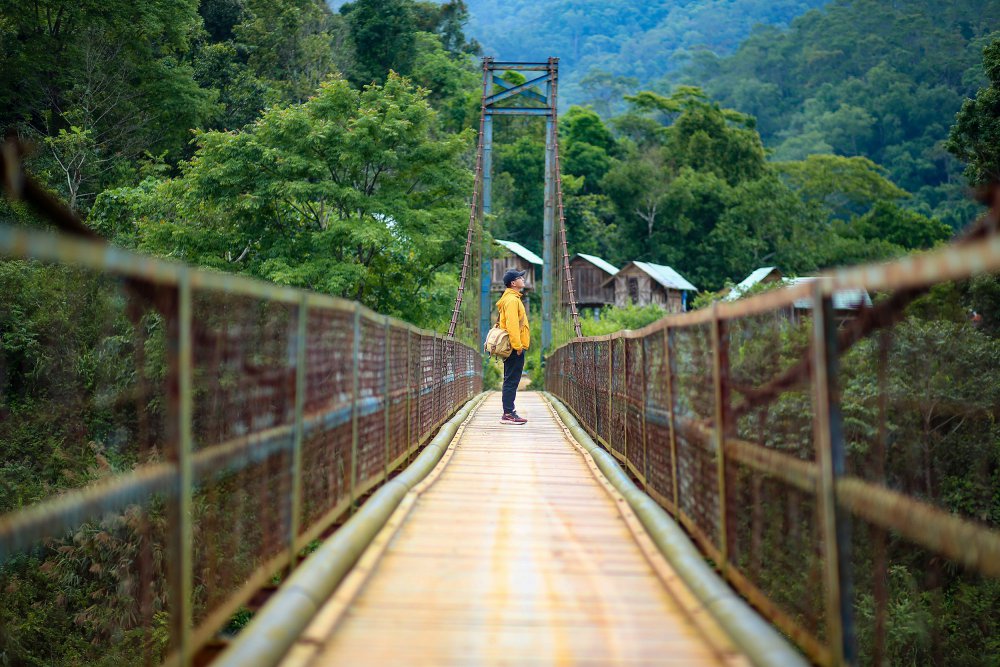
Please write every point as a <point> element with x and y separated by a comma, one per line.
<point>514,319</point>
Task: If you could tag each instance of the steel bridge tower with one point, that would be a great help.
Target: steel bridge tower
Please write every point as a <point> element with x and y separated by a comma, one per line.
<point>539,76</point>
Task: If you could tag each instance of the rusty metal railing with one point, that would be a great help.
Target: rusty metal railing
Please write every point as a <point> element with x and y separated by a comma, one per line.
<point>230,424</point>
<point>835,465</point>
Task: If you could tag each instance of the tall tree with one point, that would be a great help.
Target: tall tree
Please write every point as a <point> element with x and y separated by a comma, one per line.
<point>975,137</point>
<point>384,36</point>
<point>99,85</point>
<point>351,193</point>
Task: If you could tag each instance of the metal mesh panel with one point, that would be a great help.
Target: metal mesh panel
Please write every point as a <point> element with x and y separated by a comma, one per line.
<point>326,446</point>
<point>83,403</point>
<point>245,366</point>
<point>372,442</point>
<point>618,404</point>
<point>660,450</point>
<point>202,468</point>
<point>694,406</point>
<point>849,444</point>
<point>634,404</point>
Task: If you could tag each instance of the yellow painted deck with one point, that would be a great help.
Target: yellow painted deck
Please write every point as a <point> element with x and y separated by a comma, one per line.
<point>514,551</point>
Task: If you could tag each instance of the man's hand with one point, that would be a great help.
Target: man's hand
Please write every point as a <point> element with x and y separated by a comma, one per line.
<point>520,351</point>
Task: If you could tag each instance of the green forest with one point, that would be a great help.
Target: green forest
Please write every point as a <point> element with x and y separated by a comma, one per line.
<point>609,47</point>
<point>334,150</point>
<point>873,79</point>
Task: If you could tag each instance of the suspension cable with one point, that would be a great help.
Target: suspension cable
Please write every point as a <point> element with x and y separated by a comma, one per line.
<point>474,206</point>
<point>567,274</point>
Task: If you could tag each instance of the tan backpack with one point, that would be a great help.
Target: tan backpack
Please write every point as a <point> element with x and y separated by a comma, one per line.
<point>498,342</point>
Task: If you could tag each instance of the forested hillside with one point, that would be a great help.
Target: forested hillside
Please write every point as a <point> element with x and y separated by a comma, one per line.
<point>863,77</point>
<point>607,48</point>
<point>334,150</point>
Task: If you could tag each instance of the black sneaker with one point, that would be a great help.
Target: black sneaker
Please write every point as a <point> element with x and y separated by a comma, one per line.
<point>512,418</point>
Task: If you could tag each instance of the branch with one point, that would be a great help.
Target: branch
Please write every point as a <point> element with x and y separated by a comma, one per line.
<point>243,255</point>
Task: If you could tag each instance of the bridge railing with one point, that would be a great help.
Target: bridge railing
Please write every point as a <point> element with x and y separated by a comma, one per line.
<point>838,464</point>
<point>224,425</point>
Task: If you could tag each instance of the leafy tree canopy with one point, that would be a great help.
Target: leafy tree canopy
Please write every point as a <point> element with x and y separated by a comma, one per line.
<point>975,138</point>
<point>352,193</point>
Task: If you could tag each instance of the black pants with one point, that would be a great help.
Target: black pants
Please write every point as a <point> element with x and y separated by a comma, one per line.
<point>512,368</point>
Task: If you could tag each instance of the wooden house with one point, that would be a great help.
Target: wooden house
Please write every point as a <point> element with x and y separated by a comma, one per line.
<point>590,281</point>
<point>642,283</point>
<point>516,256</point>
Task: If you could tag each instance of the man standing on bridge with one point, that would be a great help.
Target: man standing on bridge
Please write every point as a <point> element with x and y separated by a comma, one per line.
<point>514,320</point>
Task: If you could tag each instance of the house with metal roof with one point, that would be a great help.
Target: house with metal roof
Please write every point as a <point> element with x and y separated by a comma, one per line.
<point>590,275</point>
<point>761,276</point>
<point>845,302</point>
<point>515,256</point>
<point>642,283</point>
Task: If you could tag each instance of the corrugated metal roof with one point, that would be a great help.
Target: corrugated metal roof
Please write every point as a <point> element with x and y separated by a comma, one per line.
<point>521,251</point>
<point>748,282</point>
<point>666,276</point>
<point>599,263</point>
<point>848,299</point>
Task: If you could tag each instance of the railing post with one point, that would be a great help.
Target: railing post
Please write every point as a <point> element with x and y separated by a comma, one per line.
<point>597,404</point>
<point>386,386</point>
<point>355,381</point>
<point>295,506</point>
<point>669,362</point>
<point>720,354</point>
<point>180,517</point>
<point>829,438</point>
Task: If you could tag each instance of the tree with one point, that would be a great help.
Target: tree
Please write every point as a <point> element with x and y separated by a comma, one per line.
<point>349,193</point>
<point>975,137</point>
<point>843,186</point>
<point>447,20</point>
<point>287,45</point>
<point>99,86</point>
<point>638,185</point>
<point>705,136</point>
<point>904,228</point>
<point>384,36</point>
<point>586,146</point>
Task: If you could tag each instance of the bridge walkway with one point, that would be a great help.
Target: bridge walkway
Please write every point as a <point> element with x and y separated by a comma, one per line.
<point>515,550</point>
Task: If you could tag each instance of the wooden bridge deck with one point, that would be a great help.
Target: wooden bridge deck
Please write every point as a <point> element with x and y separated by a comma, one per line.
<point>515,550</point>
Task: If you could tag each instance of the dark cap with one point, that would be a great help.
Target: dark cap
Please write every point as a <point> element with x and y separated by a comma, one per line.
<point>511,276</point>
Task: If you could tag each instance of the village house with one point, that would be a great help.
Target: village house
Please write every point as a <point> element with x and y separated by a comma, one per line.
<point>642,283</point>
<point>515,256</point>
<point>846,303</point>
<point>590,275</point>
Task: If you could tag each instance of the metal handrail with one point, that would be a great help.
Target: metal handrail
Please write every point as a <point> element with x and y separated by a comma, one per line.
<point>623,389</point>
<point>425,378</point>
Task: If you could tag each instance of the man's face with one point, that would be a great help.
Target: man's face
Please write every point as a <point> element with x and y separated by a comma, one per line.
<point>518,283</point>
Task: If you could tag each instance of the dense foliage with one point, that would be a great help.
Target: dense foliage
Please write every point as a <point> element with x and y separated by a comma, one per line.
<point>348,193</point>
<point>864,78</point>
<point>680,180</point>
<point>607,47</point>
<point>975,137</point>
<point>332,150</point>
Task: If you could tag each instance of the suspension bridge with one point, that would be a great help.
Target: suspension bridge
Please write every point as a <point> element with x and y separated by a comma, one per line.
<point>682,494</point>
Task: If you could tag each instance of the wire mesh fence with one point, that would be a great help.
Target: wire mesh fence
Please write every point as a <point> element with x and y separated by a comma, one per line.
<point>208,428</point>
<point>837,462</point>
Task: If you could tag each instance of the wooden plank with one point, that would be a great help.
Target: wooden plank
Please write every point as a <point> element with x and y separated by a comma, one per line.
<point>515,552</point>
